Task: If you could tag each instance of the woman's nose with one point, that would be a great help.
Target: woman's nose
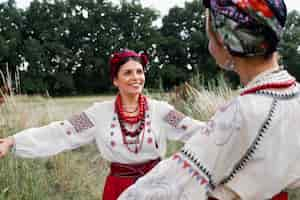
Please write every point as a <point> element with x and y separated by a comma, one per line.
<point>135,75</point>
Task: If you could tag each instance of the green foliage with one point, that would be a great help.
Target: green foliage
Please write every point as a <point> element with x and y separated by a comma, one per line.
<point>67,176</point>
<point>290,45</point>
<point>183,49</point>
<point>63,46</point>
<point>67,44</point>
<point>10,36</point>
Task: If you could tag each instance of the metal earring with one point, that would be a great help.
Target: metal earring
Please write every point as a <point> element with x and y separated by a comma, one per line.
<point>229,65</point>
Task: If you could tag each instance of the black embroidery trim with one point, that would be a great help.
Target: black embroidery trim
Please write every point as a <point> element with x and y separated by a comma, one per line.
<point>254,146</point>
<point>285,96</point>
<point>186,153</point>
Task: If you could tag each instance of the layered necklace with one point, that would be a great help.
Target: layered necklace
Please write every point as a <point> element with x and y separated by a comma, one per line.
<point>132,137</point>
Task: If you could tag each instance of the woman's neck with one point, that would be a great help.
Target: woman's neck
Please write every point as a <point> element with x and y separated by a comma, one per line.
<point>129,100</point>
<point>249,68</point>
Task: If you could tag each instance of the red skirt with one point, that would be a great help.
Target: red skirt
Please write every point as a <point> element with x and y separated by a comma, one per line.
<point>124,175</point>
<point>280,196</point>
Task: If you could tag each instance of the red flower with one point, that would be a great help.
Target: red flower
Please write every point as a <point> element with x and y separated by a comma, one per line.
<point>261,6</point>
<point>144,58</point>
<point>242,4</point>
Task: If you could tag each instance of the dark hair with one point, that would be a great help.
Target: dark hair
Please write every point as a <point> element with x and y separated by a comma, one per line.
<point>124,61</point>
<point>120,58</point>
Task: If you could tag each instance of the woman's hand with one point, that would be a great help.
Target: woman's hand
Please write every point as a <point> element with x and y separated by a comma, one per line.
<point>5,145</point>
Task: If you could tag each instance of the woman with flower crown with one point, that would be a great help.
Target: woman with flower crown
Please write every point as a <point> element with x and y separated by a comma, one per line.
<point>250,149</point>
<point>130,131</point>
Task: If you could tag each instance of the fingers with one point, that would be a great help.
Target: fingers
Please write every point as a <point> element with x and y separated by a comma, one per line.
<point>1,155</point>
<point>3,151</point>
<point>3,148</point>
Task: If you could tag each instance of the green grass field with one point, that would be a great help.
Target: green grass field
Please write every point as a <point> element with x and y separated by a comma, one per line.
<point>69,175</point>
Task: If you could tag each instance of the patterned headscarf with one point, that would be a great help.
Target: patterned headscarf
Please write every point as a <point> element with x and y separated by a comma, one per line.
<point>117,59</point>
<point>248,27</point>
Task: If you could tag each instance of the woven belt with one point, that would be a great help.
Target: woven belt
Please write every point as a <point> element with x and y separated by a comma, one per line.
<point>132,170</point>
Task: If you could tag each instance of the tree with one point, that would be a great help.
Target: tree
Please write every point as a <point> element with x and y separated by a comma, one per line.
<point>68,43</point>
<point>10,37</point>
<point>185,44</point>
<point>290,45</point>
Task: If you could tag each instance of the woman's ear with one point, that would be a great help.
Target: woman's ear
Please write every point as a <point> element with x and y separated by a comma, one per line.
<point>115,82</point>
<point>212,35</point>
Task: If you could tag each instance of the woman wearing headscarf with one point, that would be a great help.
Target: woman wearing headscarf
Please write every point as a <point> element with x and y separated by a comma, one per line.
<point>250,149</point>
<point>130,131</point>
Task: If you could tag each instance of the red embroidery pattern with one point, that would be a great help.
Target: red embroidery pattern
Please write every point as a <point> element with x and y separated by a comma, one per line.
<point>81,122</point>
<point>150,140</point>
<point>174,118</point>
<point>194,173</point>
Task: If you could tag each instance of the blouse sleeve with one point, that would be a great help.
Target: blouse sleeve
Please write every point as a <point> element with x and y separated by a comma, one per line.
<point>176,125</point>
<point>200,166</point>
<point>56,137</point>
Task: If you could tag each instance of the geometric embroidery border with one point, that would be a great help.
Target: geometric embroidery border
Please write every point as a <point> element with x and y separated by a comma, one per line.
<point>174,118</point>
<point>194,173</point>
<point>190,156</point>
<point>81,122</point>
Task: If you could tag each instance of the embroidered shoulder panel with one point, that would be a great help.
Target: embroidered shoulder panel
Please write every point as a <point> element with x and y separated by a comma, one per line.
<point>174,117</point>
<point>81,122</point>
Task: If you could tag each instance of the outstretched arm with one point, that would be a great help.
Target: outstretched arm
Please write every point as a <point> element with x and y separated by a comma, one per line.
<point>5,145</point>
<point>53,138</point>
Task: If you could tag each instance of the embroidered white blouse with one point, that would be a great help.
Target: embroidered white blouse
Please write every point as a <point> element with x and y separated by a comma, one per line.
<point>249,150</point>
<point>99,123</point>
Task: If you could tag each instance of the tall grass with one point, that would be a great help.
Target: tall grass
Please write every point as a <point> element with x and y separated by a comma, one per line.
<point>69,175</point>
<point>66,176</point>
<point>201,101</point>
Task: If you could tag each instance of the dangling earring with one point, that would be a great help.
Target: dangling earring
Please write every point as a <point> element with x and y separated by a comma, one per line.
<point>229,64</point>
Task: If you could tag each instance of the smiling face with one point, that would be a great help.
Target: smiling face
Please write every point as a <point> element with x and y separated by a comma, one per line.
<point>130,79</point>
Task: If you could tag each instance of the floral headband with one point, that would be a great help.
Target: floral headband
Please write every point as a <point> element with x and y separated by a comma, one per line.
<point>118,58</point>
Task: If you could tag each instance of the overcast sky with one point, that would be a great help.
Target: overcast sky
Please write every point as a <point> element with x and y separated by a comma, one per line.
<point>164,5</point>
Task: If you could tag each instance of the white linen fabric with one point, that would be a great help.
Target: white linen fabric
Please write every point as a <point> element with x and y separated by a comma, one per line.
<point>249,150</point>
<point>100,124</point>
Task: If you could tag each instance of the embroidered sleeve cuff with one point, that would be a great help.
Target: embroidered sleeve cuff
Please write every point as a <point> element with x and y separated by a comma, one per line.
<point>196,169</point>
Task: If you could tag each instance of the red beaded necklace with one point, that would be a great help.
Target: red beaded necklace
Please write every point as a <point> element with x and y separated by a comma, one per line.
<point>131,119</point>
<point>142,105</point>
<point>278,85</point>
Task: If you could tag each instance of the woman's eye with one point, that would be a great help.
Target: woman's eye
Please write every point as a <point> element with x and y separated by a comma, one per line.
<point>140,71</point>
<point>127,73</point>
